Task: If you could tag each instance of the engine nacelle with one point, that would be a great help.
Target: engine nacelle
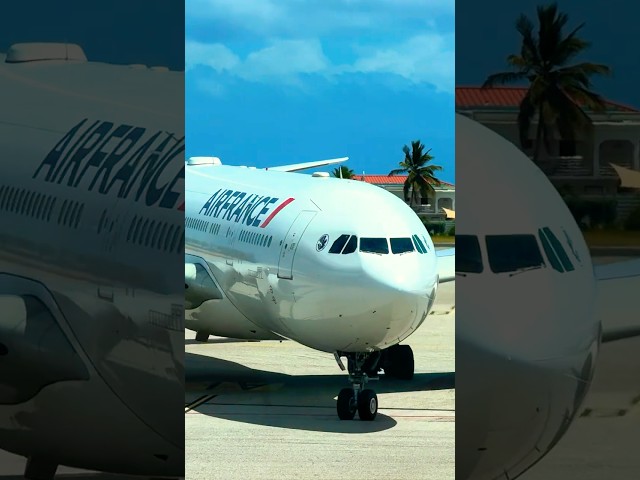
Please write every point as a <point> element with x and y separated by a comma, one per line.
<point>208,311</point>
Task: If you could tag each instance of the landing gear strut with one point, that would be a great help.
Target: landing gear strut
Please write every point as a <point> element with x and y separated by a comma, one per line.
<point>357,398</point>
<point>396,361</point>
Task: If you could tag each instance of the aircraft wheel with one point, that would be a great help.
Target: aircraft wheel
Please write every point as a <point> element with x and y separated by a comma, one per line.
<point>367,405</point>
<point>202,337</point>
<point>346,404</point>
<point>399,362</point>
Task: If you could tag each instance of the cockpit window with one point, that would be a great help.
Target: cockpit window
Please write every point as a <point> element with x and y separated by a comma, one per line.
<point>557,246</point>
<point>469,258</point>
<point>351,246</point>
<point>511,253</point>
<point>401,245</point>
<point>571,246</point>
<point>419,245</point>
<point>426,243</point>
<point>339,244</point>
<point>374,245</point>
<point>551,255</point>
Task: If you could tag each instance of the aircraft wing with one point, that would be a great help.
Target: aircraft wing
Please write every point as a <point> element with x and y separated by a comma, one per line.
<point>629,178</point>
<point>303,166</point>
<point>446,264</point>
<point>618,286</point>
<point>617,270</point>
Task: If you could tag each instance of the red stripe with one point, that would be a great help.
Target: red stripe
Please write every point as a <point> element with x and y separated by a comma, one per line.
<point>275,212</point>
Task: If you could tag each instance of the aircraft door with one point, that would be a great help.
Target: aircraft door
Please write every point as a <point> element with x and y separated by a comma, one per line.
<point>290,244</point>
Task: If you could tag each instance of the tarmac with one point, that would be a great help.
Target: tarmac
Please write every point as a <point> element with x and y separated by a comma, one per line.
<point>266,410</point>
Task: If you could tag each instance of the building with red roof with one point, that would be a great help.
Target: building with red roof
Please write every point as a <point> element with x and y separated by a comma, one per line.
<point>583,164</point>
<point>431,207</point>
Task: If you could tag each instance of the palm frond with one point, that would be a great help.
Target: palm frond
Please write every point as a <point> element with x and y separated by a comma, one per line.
<point>528,50</point>
<point>569,47</point>
<point>581,72</point>
<point>587,99</point>
<point>519,62</point>
<point>503,78</point>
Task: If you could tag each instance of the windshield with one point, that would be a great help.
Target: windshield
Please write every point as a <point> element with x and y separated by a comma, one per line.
<point>510,253</point>
<point>469,258</point>
<point>401,245</point>
<point>374,245</point>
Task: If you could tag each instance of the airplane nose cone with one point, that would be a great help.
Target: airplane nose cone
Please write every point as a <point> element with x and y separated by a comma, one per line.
<point>409,273</point>
<point>406,285</point>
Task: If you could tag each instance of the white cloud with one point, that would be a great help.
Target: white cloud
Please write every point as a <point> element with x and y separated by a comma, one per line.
<point>422,59</point>
<point>215,55</point>
<point>427,58</point>
<point>281,61</point>
<point>284,58</point>
<point>285,38</point>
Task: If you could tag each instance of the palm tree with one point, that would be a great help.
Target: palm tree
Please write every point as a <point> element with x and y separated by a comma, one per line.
<point>557,93</point>
<point>343,172</point>
<point>420,176</point>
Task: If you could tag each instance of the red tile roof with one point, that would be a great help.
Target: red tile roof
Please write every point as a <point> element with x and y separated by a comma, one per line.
<point>509,97</point>
<point>387,180</point>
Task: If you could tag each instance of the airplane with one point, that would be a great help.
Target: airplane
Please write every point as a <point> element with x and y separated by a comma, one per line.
<point>528,332</point>
<point>92,215</point>
<point>338,265</point>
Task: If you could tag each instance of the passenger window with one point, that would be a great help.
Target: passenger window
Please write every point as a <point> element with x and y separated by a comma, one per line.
<point>156,231</point>
<point>557,246</point>
<point>133,223</point>
<point>167,239</point>
<point>511,253</point>
<point>352,245</point>
<point>161,235</point>
<point>551,255</point>
<point>339,244</point>
<point>401,245</point>
<point>469,256</point>
<point>50,206</point>
<point>147,237</point>
<point>374,245</point>
<point>79,216</point>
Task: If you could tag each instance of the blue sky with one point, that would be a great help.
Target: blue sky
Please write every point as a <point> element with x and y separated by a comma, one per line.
<point>486,34</point>
<point>271,82</point>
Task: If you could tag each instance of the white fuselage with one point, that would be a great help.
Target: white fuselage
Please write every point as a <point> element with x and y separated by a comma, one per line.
<point>90,266</point>
<point>273,266</point>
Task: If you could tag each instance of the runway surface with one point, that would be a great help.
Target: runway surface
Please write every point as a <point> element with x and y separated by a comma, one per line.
<point>266,410</point>
<point>604,440</point>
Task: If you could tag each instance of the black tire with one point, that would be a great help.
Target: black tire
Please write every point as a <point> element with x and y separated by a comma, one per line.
<point>399,362</point>
<point>202,337</point>
<point>346,404</point>
<point>367,405</point>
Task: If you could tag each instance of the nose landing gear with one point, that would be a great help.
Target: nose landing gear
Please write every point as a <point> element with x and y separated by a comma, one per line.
<point>357,398</point>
